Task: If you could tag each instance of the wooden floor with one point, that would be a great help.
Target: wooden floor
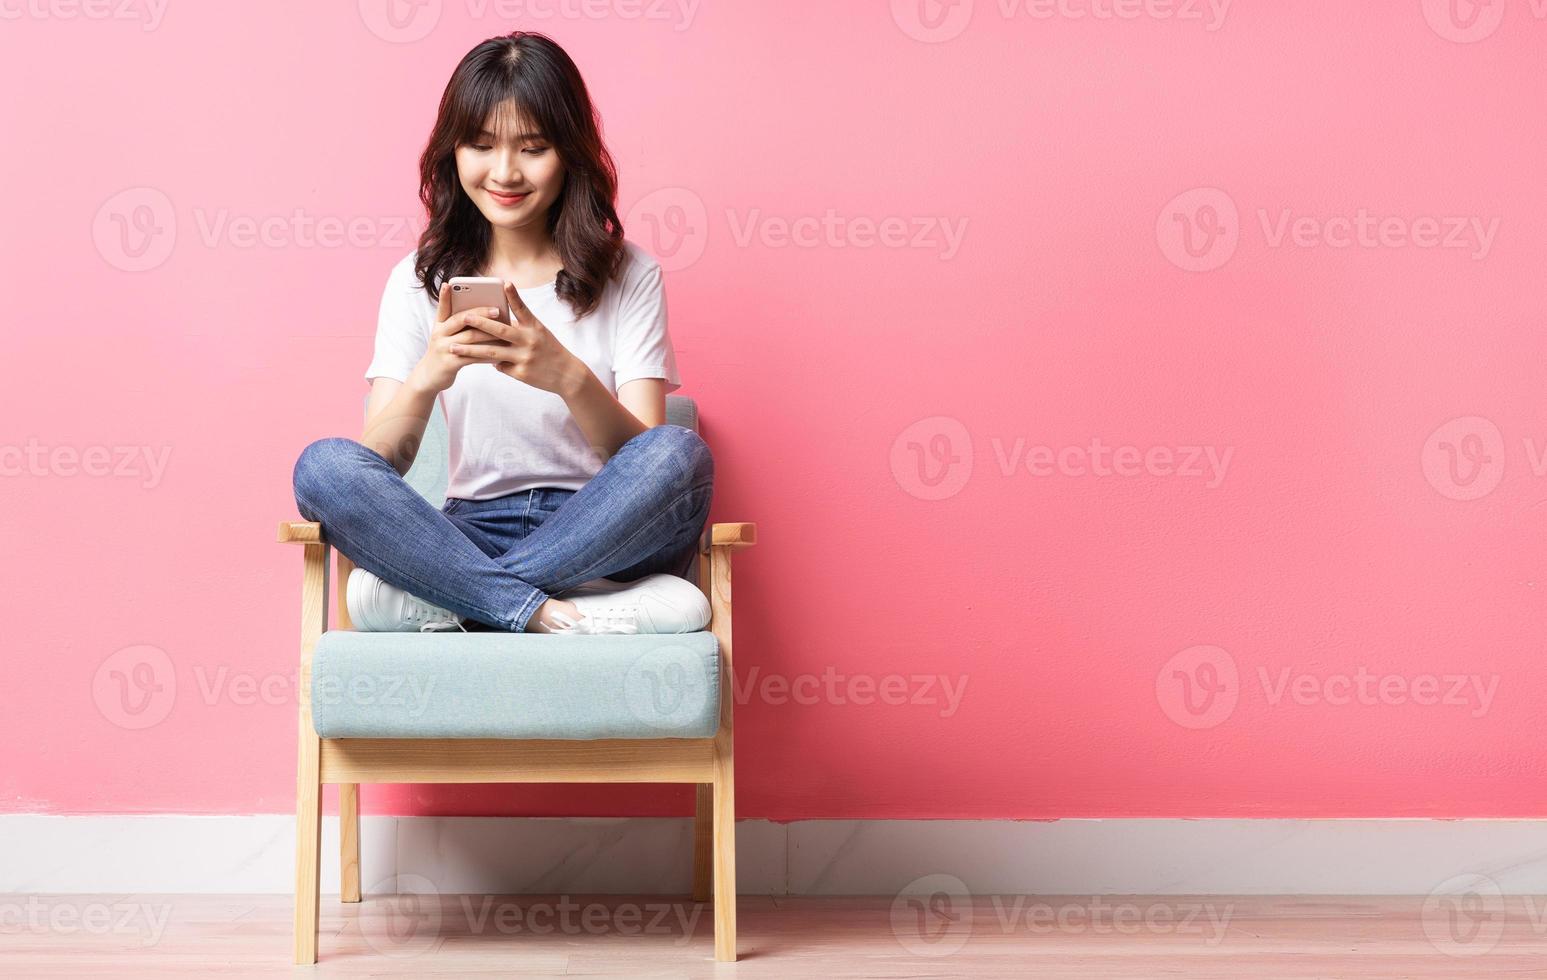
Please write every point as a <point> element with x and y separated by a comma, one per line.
<point>665,936</point>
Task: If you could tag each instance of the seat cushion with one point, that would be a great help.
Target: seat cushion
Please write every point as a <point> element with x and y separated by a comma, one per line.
<point>515,685</point>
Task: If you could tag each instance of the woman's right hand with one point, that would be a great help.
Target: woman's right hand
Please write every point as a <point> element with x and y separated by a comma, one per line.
<point>438,368</point>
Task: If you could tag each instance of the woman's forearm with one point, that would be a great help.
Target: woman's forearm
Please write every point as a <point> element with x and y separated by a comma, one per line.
<point>398,428</point>
<point>607,424</point>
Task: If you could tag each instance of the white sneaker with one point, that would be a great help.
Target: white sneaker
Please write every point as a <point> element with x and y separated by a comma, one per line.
<point>654,604</point>
<point>376,606</point>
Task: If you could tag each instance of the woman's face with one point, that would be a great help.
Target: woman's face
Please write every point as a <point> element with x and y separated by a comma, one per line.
<point>508,159</point>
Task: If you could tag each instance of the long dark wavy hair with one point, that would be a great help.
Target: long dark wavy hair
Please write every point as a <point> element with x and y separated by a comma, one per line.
<point>548,90</point>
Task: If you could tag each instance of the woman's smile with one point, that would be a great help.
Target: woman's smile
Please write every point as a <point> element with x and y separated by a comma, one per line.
<point>507,200</point>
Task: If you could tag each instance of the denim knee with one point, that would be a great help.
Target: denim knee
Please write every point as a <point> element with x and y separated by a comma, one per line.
<point>324,464</point>
<point>680,450</point>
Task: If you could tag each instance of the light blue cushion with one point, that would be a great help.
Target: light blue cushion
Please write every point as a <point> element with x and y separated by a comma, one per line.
<point>515,685</point>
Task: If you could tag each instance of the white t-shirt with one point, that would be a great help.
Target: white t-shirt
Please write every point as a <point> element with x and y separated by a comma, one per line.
<point>506,435</point>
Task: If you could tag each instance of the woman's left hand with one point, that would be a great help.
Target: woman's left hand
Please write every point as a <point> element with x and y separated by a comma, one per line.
<point>530,353</point>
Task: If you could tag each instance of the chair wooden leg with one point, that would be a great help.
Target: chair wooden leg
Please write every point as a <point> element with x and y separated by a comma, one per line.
<point>349,842</point>
<point>308,845</point>
<point>724,855</point>
<point>703,841</point>
<point>308,777</point>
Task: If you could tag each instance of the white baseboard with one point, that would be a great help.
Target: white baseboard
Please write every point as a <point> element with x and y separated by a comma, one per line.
<point>523,855</point>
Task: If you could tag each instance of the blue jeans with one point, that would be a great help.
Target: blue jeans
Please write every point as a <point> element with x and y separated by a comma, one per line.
<point>496,561</point>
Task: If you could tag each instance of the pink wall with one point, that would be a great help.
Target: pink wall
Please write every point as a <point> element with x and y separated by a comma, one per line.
<point>1126,236</point>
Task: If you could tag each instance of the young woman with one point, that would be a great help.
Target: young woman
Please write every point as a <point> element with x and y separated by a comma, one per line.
<point>571,506</point>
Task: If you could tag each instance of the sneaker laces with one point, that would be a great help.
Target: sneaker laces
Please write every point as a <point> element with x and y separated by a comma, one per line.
<point>598,621</point>
<point>429,618</point>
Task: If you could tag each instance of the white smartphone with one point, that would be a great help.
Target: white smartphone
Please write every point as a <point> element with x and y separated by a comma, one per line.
<point>471,292</point>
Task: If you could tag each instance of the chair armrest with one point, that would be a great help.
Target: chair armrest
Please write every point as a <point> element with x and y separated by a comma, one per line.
<point>300,532</point>
<point>741,535</point>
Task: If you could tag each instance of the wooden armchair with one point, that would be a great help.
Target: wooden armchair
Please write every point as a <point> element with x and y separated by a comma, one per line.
<point>507,752</point>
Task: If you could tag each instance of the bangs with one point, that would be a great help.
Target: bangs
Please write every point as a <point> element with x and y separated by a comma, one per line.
<point>504,113</point>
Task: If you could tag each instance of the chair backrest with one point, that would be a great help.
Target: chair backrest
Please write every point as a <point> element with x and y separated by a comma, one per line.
<point>431,471</point>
